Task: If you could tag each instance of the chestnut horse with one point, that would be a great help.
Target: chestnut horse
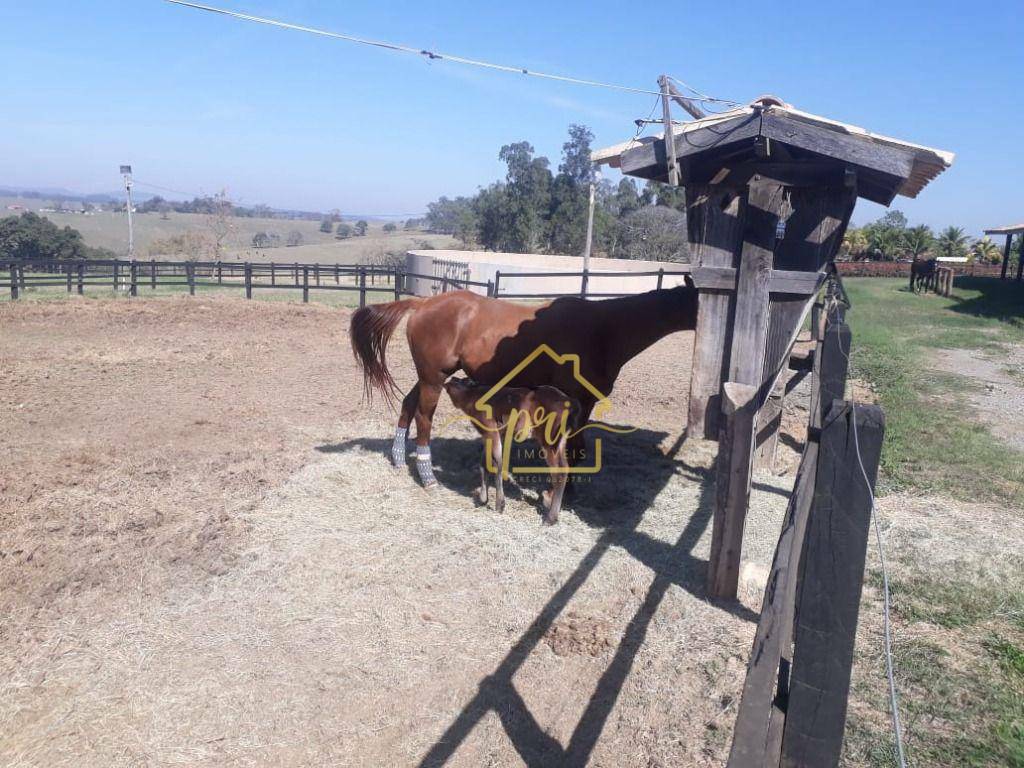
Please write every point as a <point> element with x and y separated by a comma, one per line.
<point>487,338</point>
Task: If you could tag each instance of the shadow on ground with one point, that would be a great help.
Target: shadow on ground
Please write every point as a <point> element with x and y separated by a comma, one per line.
<point>997,299</point>
<point>634,471</point>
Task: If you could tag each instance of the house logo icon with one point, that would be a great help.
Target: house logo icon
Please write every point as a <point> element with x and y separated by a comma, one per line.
<point>601,408</point>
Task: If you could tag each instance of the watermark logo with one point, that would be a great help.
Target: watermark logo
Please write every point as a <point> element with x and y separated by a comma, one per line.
<point>557,424</point>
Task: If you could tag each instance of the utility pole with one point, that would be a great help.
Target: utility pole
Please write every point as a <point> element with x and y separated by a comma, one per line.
<point>670,139</point>
<point>594,177</point>
<point>126,172</point>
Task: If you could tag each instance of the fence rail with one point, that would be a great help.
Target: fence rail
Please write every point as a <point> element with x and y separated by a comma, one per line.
<point>131,276</point>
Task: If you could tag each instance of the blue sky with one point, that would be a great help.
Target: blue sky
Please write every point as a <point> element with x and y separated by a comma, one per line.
<point>197,102</point>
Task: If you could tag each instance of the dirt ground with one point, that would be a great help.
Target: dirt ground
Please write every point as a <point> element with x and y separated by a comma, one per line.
<point>205,559</point>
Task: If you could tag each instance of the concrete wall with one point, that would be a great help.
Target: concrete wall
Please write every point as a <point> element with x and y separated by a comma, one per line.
<point>483,266</point>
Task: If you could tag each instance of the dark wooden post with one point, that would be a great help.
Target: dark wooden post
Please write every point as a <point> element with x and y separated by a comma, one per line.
<point>1020,256</point>
<point>81,278</point>
<point>220,273</point>
<point>337,275</point>
<point>661,276</point>
<point>305,285</point>
<point>273,278</point>
<point>583,284</point>
<point>67,269</point>
<point>831,366</point>
<point>248,280</point>
<point>295,269</point>
<point>190,277</point>
<point>133,289</point>
<point>714,221</point>
<point>362,286</point>
<point>316,273</point>
<point>152,274</point>
<point>497,282</point>
<point>831,578</point>
<point>116,275</point>
<point>1006,256</point>
<point>14,281</point>
<point>397,285</point>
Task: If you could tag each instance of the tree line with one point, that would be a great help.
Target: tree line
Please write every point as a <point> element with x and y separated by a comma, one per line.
<point>890,238</point>
<point>31,236</point>
<point>535,210</point>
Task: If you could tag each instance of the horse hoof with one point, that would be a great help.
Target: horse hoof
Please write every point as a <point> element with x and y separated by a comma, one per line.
<point>549,522</point>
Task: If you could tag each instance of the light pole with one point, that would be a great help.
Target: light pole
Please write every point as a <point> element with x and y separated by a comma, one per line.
<point>126,172</point>
<point>595,176</point>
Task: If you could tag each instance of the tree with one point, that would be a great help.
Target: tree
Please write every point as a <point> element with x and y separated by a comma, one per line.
<point>570,192</point>
<point>294,238</point>
<point>344,231</point>
<point>390,227</point>
<point>217,221</point>
<point>260,240</point>
<point>527,190</point>
<point>986,252</point>
<point>951,242</point>
<point>655,232</point>
<point>361,227</point>
<point>31,236</point>
<point>855,242</point>
<point>917,241</point>
<point>626,198</point>
<point>893,219</point>
<point>326,225</point>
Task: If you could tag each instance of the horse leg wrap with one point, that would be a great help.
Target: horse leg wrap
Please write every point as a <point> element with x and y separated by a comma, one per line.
<point>398,447</point>
<point>424,466</point>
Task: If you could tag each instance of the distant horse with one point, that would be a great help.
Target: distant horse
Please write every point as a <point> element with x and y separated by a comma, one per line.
<point>922,273</point>
<point>487,338</point>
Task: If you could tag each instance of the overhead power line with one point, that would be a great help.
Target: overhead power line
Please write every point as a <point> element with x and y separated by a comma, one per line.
<point>431,55</point>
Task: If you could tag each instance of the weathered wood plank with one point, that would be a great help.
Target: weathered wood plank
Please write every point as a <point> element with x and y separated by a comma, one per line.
<point>831,582</point>
<point>780,280</point>
<point>714,221</point>
<point>751,732</point>
<point>732,494</point>
<point>653,155</point>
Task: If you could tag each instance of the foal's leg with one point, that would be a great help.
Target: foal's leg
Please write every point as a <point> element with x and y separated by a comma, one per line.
<point>499,487</point>
<point>398,451</point>
<point>428,397</point>
<point>482,492</point>
<point>555,457</point>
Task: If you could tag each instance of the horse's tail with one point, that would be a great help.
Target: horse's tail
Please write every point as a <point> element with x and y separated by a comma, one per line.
<point>370,329</point>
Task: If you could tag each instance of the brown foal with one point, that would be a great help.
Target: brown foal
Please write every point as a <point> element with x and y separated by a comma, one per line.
<point>546,412</point>
<point>488,338</point>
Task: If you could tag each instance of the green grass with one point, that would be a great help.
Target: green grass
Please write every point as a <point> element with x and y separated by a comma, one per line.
<point>932,441</point>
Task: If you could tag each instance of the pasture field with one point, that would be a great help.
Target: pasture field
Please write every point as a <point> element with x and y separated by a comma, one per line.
<point>206,559</point>
<point>107,229</point>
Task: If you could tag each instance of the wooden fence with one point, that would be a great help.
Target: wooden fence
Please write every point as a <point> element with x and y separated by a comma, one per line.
<point>793,708</point>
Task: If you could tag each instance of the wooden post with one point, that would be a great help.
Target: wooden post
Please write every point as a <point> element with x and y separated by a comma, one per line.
<point>1006,256</point>
<point>316,273</point>
<point>337,275</point>
<point>220,273</point>
<point>831,579</point>
<point>116,275</point>
<point>739,407</point>
<point>81,278</point>
<point>1020,256</point>
<point>831,366</point>
<point>248,280</point>
<point>769,421</point>
<point>670,143</point>
<point>397,285</point>
<point>497,282</point>
<point>133,286</point>
<point>305,285</point>
<point>661,276</point>
<point>152,274</point>
<point>362,286</point>
<point>14,281</point>
<point>296,271</point>
<point>273,276</point>
<point>67,269</point>
<point>190,277</point>
<point>583,285</point>
<point>714,222</point>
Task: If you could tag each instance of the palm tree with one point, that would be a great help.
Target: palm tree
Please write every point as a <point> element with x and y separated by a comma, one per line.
<point>951,242</point>
<point>986,252</point>
<point>855,242</point>
<point>918,240</point>
<point>884,242</point>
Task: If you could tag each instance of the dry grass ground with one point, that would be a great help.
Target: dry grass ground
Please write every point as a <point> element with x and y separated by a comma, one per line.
<point>205,559</point>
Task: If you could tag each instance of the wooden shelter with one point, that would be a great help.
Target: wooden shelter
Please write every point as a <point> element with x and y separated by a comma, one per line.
<point>1016,229</point>
<point>769,194</point>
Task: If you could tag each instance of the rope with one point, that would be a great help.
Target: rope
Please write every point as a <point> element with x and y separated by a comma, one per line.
<point>431,55</point>
<point>886,600</point>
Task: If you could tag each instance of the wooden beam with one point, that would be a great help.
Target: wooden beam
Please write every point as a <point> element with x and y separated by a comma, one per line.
<point>684,102</point>
<point>714,223</point>
<point>670,158</point>
<point>830,585</point>
<point>691,142</point>
<point>1006,256</point>
<point>779,281</point>
<point>732,489</point>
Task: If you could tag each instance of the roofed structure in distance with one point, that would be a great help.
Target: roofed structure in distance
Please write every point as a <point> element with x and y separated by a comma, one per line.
<point>1013,229</point>
<point>798,145</point>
